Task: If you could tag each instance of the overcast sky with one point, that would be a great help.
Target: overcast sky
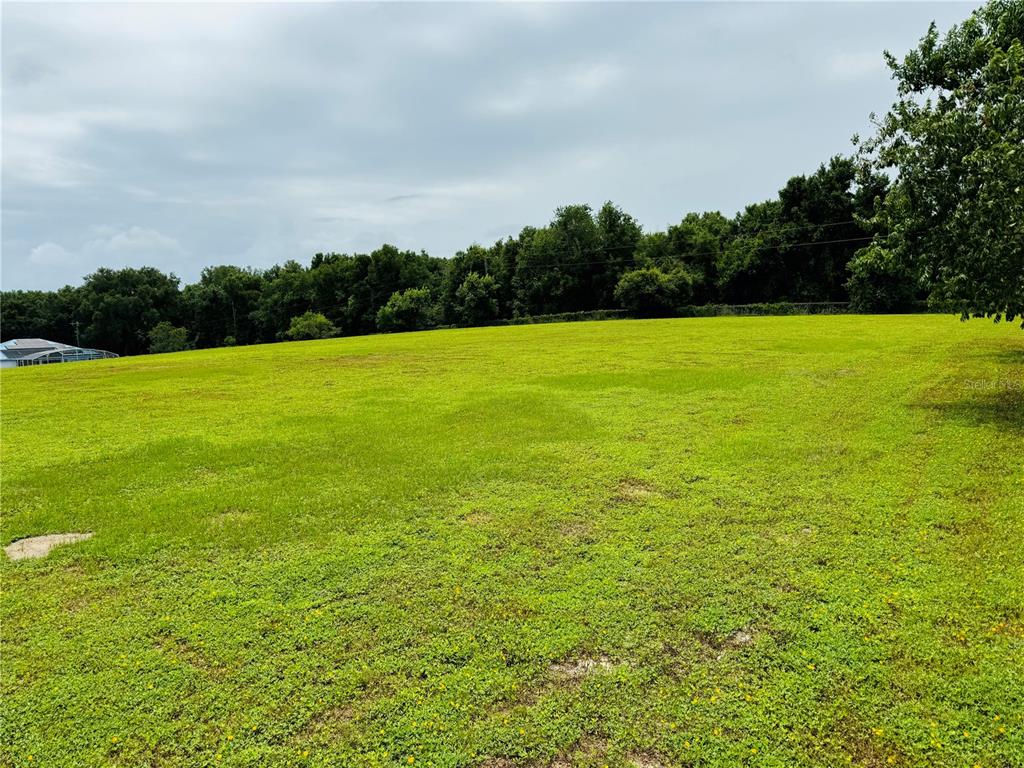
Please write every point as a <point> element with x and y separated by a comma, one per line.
<point>181,136</point>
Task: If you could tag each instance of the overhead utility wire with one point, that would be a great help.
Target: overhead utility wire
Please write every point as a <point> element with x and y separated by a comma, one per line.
<point>699,253</point>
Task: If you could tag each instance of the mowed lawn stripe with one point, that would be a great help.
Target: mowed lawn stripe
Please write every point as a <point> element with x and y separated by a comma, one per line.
<point>716,542</point>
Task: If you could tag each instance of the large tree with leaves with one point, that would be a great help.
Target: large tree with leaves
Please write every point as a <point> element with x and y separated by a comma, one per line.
<point>955,138</point>
<point>219,307</point>
<point>118,307</point>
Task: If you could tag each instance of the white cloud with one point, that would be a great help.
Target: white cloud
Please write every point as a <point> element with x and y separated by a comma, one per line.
<point>50,255</point>
<point>112,247</point>
<point>131,244</point>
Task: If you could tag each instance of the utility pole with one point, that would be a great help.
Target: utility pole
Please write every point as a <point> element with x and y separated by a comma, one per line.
<point>78,341</point>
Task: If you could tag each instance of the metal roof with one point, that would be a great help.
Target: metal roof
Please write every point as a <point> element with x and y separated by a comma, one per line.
<point>38,349</point>
<point>32,345</point>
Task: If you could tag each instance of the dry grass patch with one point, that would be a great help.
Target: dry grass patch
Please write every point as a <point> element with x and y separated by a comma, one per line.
<point>634,489</point>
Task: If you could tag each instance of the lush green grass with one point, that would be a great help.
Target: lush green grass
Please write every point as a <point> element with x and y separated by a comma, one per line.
<point>393,549</point>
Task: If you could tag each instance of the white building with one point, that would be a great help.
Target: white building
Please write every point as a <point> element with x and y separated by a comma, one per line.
<point>18,352</point>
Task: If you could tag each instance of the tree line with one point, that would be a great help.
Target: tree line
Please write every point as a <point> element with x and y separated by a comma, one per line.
<point>796,247</point>
<point>929,208</point>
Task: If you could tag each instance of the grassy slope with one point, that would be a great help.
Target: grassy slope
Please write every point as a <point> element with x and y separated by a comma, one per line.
<point>370,551</point>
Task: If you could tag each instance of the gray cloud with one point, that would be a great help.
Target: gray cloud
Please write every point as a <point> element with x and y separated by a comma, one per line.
<point>187,135</point>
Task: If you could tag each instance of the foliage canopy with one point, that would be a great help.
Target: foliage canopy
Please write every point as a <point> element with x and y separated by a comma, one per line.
<point>955,137</point>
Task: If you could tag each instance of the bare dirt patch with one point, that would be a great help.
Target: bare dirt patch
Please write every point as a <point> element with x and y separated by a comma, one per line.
<point>740,638</point>
<point>325,726</point>
<point>716,646</point>
<point>577,669</point>
<point>40,546</point>
<point>577,529</point>
<point>586,750</point>
<point>497,762</point>
<point>592,747</point>
<point>647,760</point>
<point>560,675</point>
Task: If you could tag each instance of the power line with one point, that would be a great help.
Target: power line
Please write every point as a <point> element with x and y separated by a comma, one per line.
<point>519,266</point>
<point>791,228</point>
<point>779,229</point>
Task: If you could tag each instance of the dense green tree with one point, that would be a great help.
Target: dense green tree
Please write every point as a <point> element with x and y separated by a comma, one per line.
<point>797,247</point>
<point>698,242</point>
<point>955,138</point>
<point>118,307</point>
<point>554,263</point>
<point>310,325</point>
<point>287,294</point>
<point>221,305</point>
<point>748,268</point>
<point>619,234</point>
<point>379,275</point>
<point>476,300</point>
<point>654,250</point>
<point>473,260</point>
<point>408,310</point>
<point>165,337</point>
<point>40,314</point>
<point>503,262</point>
<point>650,292</point>
<point>335,278</point>
<point>23,314</point>
<point>879,283</point>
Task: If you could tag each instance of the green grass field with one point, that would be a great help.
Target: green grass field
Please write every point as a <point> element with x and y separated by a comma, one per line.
<point>714,542</point>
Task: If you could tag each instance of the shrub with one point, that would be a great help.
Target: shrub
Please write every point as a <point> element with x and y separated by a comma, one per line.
<point>879,283</point>
<point>311,325</point>
<point>649,292</point>
<point>164,337</point>
<point>409,310</point>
